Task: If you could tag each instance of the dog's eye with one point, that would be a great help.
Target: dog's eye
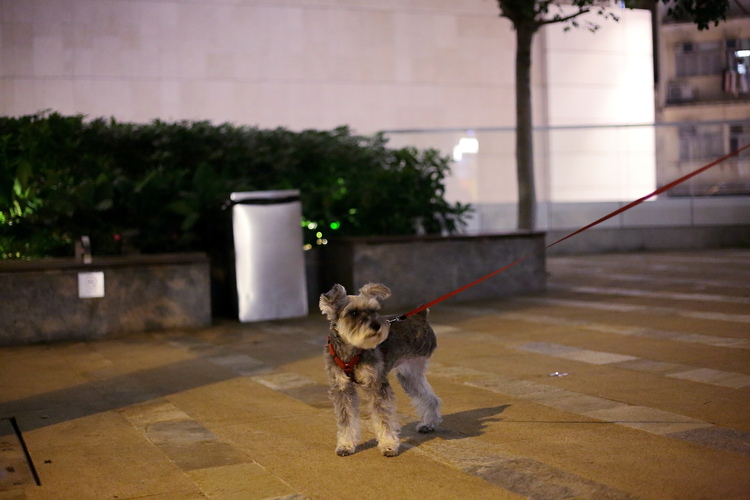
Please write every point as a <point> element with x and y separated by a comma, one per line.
<point>353,314</point>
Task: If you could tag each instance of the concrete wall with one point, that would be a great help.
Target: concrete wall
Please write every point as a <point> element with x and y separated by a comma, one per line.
<point>59,299</point>
<point>662,224</point>
<point>661,212</point>
<point>421,269</point>
<point>650,239</point>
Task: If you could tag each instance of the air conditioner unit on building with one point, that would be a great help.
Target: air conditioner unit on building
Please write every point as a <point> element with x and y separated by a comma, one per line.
<point>680,92</point>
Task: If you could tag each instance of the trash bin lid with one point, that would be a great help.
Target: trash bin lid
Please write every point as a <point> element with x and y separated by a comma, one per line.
<point>264,197</point>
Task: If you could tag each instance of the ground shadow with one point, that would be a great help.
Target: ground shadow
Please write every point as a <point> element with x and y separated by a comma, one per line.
<point>459,425</point>
<point>120,391</point>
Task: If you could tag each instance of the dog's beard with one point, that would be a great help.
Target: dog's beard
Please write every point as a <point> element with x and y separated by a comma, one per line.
<point>363,335</point>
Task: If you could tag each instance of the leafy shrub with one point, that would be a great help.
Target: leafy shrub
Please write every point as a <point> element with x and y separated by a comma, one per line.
<point>163,187</point>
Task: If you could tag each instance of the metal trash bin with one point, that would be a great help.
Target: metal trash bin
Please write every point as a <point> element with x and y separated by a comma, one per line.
<point>269,258</point>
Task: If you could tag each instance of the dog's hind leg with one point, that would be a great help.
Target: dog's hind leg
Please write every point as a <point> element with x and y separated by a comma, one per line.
<point>346,411</point>
<point>411,375</point>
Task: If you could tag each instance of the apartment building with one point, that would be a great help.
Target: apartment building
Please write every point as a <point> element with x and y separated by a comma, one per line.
<point>703,101</point>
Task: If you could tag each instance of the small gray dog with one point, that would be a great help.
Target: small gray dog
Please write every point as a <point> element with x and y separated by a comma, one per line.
<point>363,348</point>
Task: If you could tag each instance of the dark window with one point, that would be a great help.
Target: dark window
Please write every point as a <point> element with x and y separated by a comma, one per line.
<point>739,136</point>
<point>701,142</point>
<point>696,59</point>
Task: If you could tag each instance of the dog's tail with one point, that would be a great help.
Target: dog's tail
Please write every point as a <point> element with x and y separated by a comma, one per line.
<point>422,315</point>
<point>424,312</point>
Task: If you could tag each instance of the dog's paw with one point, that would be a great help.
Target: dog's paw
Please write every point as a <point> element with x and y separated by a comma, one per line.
<point>343,451</point>
<point>425,428</point>
<point>389,448</point>
<point>390,452</point>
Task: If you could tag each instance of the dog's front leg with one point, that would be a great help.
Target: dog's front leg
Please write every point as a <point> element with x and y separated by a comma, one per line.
<point>382,403</point>
<point>346,410</point>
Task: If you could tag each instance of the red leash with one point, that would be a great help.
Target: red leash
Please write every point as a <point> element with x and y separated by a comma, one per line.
<point>606,217</point>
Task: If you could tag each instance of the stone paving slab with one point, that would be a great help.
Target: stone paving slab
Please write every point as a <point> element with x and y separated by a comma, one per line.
<point>652,404</point>
<point>16,471</point>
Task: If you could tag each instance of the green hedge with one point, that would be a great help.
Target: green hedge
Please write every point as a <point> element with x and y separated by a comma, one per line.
<point>163,187</point>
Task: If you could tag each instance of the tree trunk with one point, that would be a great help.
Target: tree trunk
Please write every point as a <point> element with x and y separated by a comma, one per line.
<point>524,130</point>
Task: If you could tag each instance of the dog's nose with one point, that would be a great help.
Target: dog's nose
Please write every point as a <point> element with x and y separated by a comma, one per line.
<point>375,325</point>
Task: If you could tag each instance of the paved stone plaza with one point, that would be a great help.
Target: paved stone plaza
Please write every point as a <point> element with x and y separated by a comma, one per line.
<point>628,378</point>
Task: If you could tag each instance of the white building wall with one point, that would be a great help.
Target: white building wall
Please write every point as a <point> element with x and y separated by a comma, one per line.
<point>601,78</point>
<point>580,79</point>
<point>296,63</point>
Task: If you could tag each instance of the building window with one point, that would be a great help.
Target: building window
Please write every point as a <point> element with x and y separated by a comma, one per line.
<point>700,142</point>
<point>696,59</point>
<point>739,136</point>
<point>737,77</point>
<point>711,141</point>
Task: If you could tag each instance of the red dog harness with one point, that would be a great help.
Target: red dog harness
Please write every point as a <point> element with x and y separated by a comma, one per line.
<point>348,367</point>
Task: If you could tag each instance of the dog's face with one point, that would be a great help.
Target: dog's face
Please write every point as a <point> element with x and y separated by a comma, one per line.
<point>356,316</point>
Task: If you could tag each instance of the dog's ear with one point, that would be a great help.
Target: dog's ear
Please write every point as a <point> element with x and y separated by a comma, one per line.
<point>375,290</point>
<point>333,301</point>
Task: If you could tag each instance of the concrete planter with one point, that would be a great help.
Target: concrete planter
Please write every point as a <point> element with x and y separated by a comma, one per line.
<point>63,299</point>
<point>419,269</point>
